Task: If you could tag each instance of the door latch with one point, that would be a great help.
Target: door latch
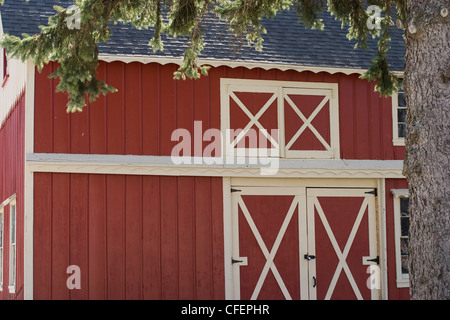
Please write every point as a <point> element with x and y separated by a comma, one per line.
<point>309,257</point>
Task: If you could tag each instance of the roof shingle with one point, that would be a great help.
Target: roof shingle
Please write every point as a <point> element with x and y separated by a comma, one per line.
<point>283,43</point>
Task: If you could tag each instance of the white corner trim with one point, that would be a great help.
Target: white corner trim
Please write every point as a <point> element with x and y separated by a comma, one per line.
<point>29,183</point>
<point>382,236</point>
<point>163,165</point>
<point>230,63</point>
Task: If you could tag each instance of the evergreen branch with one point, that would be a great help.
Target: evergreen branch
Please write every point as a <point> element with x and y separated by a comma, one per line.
<point>76,50</point>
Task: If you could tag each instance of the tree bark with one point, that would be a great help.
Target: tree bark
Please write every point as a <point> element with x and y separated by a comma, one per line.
<point>427,89</point>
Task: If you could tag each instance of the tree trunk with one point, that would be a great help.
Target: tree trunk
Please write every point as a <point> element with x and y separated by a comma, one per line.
<point>427,89</point>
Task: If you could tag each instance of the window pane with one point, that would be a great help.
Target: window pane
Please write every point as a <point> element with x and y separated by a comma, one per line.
<point>401,100</point>
<point>405,226</point>
<point>13,224</point>
<point>404,242</point>
<point>12,271</point>
<point>404,207</point>
<point>402,130</point>
<point>401,85</point>
<point>405,264</point>
<point>401,115</point>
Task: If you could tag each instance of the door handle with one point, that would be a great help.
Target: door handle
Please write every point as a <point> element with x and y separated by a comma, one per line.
<point>309,257</point>
<point>314,282</point>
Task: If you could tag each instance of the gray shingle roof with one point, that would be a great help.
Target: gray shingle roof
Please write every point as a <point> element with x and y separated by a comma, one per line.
<point>286,42</point>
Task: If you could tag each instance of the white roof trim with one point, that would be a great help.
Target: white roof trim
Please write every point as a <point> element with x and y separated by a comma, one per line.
<point>230,63</point>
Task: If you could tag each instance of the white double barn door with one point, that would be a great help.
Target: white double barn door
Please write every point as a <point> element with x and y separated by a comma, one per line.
<point>303,243</point>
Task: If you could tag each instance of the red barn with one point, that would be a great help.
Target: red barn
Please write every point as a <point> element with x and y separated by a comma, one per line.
<point>277,176</point>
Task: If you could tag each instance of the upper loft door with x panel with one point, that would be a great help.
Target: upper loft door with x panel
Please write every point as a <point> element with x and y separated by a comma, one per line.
<point>280,119</point>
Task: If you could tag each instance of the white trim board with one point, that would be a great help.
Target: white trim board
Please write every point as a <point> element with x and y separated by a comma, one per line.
<point>249,64</point>
<point>28,252</point>
<point>163,165</point>
<point>8,201</point>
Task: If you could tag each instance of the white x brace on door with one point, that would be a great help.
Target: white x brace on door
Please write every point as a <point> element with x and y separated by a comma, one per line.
<point>303,243</point>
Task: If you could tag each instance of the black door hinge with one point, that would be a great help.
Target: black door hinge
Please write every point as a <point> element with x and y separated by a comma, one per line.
<point>374,192</point>
<point>377,260</point>
<point>235,190</point>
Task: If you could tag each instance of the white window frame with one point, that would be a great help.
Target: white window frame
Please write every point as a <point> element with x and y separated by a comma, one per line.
<point>281,88</point>
<point>397,141</point>
<point>402,279</point>
<point>2,242</point>
<point>12,246</point>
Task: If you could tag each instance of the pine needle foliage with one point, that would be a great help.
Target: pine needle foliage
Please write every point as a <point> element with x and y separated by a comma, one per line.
<point>76,49</point>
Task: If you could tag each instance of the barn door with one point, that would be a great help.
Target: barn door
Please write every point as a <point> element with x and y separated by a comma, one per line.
<point>342,237</point>
<point>299,243</point>
<point>269,234</point>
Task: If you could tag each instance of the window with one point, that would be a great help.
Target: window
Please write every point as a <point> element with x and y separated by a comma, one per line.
<point>399,111</point>
<point>297,120</point>
<point>401,223</point>
<point>12,246</point>
<point>1,247</point>
<point>5,72</point>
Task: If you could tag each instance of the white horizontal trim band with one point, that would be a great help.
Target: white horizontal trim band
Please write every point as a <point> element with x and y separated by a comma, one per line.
<point>230,63</point>
<point>192,166</point>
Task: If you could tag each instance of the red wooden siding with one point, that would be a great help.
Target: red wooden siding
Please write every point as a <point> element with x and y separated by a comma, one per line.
<point>133,237</point>
<point>12,160</point>
<point>149,105</point>
<point>393,292</point>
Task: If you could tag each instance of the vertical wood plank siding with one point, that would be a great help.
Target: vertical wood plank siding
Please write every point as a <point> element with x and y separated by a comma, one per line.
<point>133,237</point>
<point>139,119</point>
<point>12,169</point>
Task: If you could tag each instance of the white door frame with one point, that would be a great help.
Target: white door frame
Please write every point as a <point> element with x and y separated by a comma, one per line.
<point>231,292</point>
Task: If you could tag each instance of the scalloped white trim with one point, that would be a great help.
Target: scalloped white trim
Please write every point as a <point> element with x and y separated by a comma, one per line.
<point>229,63</point>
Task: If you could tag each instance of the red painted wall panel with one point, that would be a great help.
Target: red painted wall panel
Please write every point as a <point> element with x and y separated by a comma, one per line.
<point>12,168</point>
<point>149,105</point>
<point>133,237</point>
